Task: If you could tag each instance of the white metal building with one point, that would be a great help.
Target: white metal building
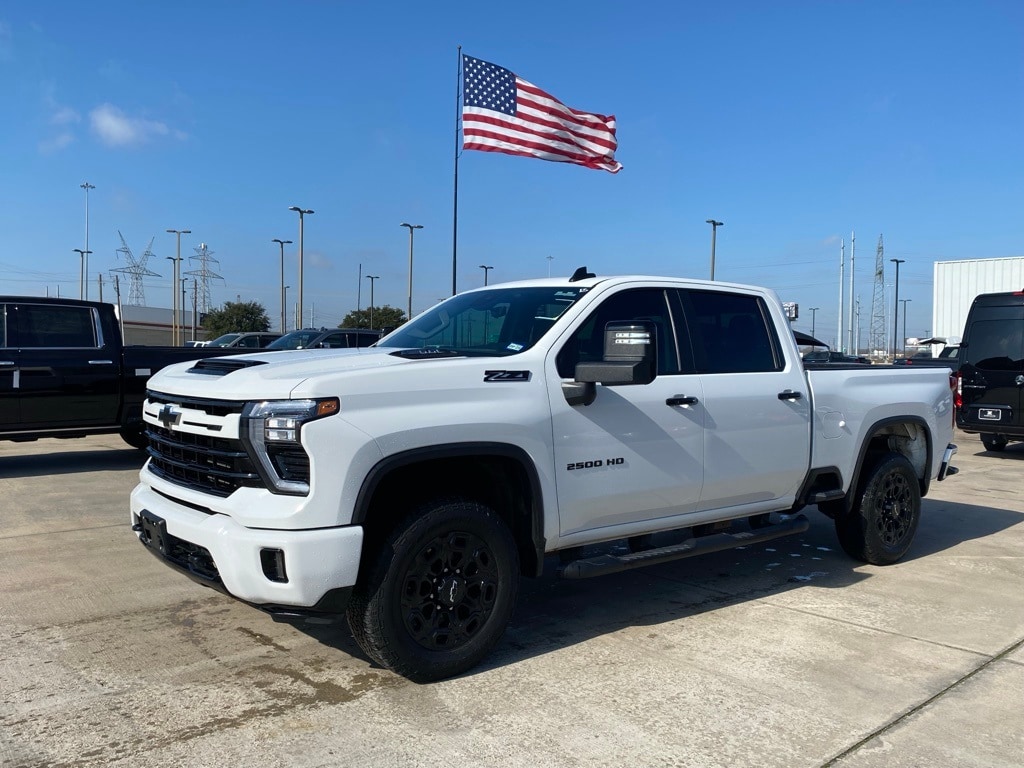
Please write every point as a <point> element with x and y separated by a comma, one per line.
<point>956,283</point>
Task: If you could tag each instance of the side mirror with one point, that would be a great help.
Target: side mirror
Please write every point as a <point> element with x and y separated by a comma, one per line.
<point>630,356</point>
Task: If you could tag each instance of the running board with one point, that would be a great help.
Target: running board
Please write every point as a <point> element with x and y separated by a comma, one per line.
<point>605,564</point>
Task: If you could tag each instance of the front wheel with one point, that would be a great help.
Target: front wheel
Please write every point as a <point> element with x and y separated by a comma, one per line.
<point>438,593</point>
<point>881,526</point>
<point>994,442</point>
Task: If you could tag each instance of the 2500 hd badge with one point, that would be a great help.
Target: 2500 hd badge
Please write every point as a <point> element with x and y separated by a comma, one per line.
<point>594,464</point>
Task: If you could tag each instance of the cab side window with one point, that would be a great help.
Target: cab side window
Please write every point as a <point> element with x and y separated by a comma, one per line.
<point>731,333</point>
<point>42,326</point>
<point>586,345</point>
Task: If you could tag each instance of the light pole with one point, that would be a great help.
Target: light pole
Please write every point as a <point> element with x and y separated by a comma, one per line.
<point>549,258</point>
<point>372,279</point>
<point>83,257</point>
<point>714,230</point>
<point>896,305</point>
<point>486,269</point>
<point>411,228</point>
<point>174,300</point>
<point>904,303</point>
<point>814,314</point>
<point>85,254</point>
<point>174,291</point>
<point>284,323</point>
<point>302,213</point>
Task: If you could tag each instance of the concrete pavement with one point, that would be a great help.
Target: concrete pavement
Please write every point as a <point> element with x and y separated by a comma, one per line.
<point>785,654</point>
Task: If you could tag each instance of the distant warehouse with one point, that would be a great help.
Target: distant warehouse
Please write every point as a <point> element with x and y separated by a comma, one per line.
<point>958,282</point>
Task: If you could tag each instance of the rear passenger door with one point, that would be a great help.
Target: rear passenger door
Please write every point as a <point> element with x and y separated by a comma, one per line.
<point>757,415</point>
<point>66,376</point>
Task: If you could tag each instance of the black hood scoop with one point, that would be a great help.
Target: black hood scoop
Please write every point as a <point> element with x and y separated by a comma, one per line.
<point>222,366</point>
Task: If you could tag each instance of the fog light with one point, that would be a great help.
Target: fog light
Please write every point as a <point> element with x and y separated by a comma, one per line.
<point>272,561</point>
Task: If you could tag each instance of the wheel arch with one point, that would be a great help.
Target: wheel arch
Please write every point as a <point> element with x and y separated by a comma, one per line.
<point>499,475</point>
<point>896,434</point>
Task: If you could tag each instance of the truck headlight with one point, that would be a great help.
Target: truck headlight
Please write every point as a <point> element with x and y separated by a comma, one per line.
<point>271,432</point>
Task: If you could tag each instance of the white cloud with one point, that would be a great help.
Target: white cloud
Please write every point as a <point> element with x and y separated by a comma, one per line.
<point>64,116</point>
<point>57,143</point>
<point>116,129</point>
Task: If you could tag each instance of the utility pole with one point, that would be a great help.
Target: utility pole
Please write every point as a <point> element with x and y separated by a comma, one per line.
<point>714,230</point>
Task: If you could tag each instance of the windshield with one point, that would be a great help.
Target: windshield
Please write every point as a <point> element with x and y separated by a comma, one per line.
<point>225,340</point>
<point>498,322</point>
<point>294,340</point>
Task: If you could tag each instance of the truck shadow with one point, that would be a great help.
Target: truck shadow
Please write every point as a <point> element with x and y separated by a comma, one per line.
<point>71,462</point>
<point>554,613</point>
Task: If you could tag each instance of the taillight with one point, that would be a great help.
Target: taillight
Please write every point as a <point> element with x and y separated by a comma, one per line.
<point>957,387</point>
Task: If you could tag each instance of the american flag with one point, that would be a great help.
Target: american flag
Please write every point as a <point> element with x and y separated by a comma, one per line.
<point>504,113</point>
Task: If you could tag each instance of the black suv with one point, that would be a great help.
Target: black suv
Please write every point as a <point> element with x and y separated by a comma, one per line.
<point>326,338</point>
<point>990,385</point>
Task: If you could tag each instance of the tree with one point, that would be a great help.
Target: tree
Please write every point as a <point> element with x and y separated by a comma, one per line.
<point>383,317</point>
<point>236,317</point>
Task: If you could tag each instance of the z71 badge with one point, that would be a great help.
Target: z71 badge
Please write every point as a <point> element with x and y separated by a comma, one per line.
<point>506,375</point>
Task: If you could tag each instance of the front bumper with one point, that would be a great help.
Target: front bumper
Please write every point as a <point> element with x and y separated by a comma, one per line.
<point>291,574</point>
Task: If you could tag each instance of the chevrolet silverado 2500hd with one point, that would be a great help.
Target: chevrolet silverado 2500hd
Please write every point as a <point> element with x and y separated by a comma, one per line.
<point>606,422</point>
<point>64,371</point>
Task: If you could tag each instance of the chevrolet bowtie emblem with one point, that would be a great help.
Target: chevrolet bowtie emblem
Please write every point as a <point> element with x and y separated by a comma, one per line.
<point>169,417</point>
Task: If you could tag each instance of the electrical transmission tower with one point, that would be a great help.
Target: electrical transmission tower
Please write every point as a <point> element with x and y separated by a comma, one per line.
<point>136,270</point>
<point>204,274</point>
<point>878,333</point>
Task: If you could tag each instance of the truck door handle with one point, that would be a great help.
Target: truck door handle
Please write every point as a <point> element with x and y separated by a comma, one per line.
<point>789,394</point>
<point>681,400</point>
<point>101,362</point>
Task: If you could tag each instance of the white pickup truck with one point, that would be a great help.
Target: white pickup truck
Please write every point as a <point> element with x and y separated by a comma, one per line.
<point>597,423</point>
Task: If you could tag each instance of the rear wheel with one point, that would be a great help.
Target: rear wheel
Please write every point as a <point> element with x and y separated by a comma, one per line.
<point>438,593</point>
<point>881,526</point>
<point>994,442</point>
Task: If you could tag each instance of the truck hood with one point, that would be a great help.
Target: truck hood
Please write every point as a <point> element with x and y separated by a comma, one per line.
<point>268,375</point>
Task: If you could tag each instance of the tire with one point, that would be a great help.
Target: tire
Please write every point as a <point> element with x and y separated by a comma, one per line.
<point>438,593</point>
<point>135,437</point>
<point>881,526</point>
<point>994,442</point>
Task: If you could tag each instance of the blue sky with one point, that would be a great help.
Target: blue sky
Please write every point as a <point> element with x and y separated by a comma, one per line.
<point>794,123</point>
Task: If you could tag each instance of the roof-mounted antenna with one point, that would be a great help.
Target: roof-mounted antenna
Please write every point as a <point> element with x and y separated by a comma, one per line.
<point>581,274</point>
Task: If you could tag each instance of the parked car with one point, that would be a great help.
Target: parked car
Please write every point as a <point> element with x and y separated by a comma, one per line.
<point>248,340</point>
<point>65,372</point>
<point>947,358</point>
<point>990,381</point>
<point>324,338</point>
<point>412,484</point>
<point>832,356</point>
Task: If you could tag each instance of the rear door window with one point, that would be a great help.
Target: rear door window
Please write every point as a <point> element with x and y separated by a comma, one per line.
<point>731,333</point>
<point>996,345</point>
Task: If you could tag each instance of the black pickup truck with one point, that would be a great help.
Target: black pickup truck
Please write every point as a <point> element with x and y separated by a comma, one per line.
<point>64,371</point>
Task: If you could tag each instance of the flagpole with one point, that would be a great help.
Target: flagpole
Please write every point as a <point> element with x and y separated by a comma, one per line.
<point>455,203</point>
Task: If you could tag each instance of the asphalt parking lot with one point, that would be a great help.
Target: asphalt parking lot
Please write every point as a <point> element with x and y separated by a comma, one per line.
<point>785,654</point>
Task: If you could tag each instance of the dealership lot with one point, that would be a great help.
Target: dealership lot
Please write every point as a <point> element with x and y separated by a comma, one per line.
<point>785,654</point>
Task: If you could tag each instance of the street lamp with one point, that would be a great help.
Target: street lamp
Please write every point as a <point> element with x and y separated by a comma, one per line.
<point>814,314</point>
<point>486,269</point>
<point>85,264</point>
<point>904,303</point>
<point>83,256</point>
<point>896,305</point>
<point>174,291</point>
<point>714,230</point>
<point>411,228</point>
<point>284,322</point>
<point>302,212</point>
<point>372,279</point>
